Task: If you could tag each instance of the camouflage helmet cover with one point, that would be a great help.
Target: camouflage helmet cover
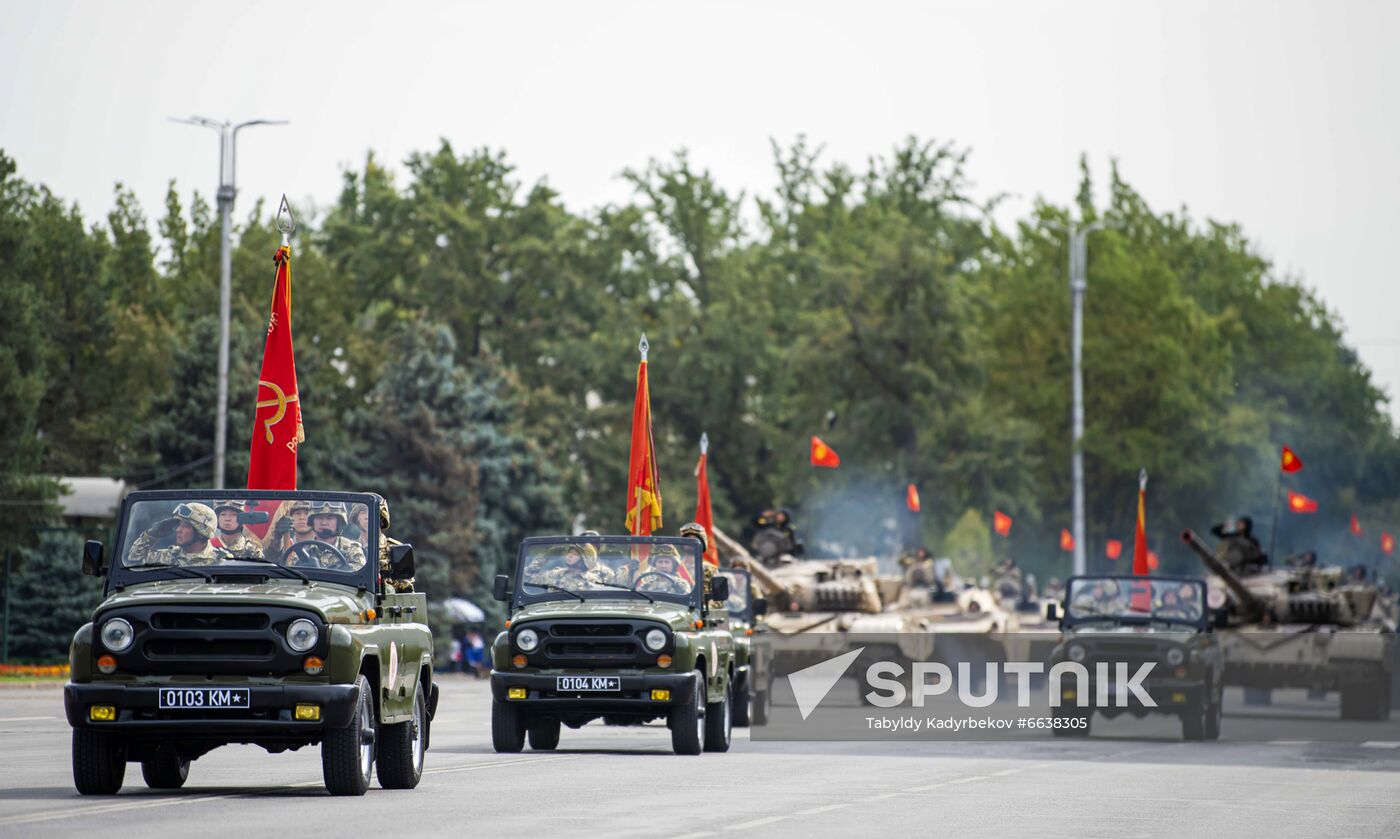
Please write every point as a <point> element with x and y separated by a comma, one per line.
<point>383,511</point>
<point>198,516</point>
<point>230,504</point>
<point>330,508</point>
<point>695,530</point>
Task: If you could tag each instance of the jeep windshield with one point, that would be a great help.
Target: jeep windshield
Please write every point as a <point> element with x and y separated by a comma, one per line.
<point>293,536</point>
<point>1135,600</point>
<point>641,568</point>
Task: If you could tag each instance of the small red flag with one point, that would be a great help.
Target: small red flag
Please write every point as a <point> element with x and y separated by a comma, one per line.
<point>1001,523</point>
<point>1355,525</point>
<point>911,498</point>
<point>704,513</point>
<point>1290,462</point>
<point>1113,549</point>
<point>277,429</point>
<point>824,455</point>
<point>1387,542</point>
<point>1299,503</point>
<point>1066,540</point>
<point>1152,561</point>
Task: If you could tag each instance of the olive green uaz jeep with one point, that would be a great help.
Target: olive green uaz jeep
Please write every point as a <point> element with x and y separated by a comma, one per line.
<point>251,617</point>
<point>753,650</point>
<point>611,627</point>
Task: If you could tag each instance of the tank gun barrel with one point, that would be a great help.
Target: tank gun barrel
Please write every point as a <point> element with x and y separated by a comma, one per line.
<point>1250,605</point>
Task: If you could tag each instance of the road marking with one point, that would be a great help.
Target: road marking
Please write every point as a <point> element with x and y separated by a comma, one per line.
<point>54,815</point>
<point>1003,773</point>
<point>871,798</point>
<point>967,780</point>
<point>824,809</point>
<point>25,719</point>
<point>926,788</point>
<point>1381,744</point>
<point>1289,742</point>
<point>756,823</point>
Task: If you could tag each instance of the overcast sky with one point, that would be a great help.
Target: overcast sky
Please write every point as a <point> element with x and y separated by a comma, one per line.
<point>1281,116</point>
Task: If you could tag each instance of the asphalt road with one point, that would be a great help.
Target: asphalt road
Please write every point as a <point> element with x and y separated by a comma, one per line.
<point>1128,780</point>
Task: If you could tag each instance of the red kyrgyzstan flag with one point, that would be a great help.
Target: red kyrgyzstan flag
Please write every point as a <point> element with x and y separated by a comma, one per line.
<point>1355,525</point>
<point>824,455</point>
<point>1387,542</point>
<point>277,428</point>
<point>1113,549</point>
<point>704,515</point>
<point>1289,461</point>
<point>1001,523</point>
<point>911,498</point>
<point>1300,503</point>
<point>1066,540</point>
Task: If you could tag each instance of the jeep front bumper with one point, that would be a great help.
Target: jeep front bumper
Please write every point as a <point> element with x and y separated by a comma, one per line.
<point>270,715</point>
<point>632,697</point>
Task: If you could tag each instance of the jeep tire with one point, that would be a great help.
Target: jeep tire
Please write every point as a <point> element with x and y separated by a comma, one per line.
<point>347,754</point>
<point>164,768</point>
<point>687,721</point>
<point>718,722</point>
<point>507,726</point>
<point>99,762</point>
<point>544,734</point>
<point>402,746</point>
<point>741,708</point>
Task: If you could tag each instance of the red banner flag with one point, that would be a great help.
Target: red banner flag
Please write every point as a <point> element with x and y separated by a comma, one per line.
<point>1141,565</point>
<point>704,514</point>
<point>1001,523</point>
<point>643,485</point>
<point>1113,549</point>
<point>1355,525</point>
<point>277,428</point>
<point>1387,542</point>
<point>1300,503</point>
<point>1289,462</point>
<point>911,498</point>
<point>824,455</point>
<point>1066,540</point>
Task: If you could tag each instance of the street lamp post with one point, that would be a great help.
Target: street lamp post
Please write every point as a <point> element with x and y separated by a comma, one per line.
<point>1078,240</point>
<point>228,143</point>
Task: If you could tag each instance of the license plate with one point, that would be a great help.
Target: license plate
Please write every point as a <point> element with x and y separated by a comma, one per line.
<point>182,698</point>
<point>588,683</point>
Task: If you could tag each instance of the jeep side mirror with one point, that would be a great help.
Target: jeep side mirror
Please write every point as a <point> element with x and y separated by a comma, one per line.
<point>92,558</point>
<point>1052,611</point>
<point>719,588</point>
<point>760,607</point>
<point>401,561</point>
<point>1221,618</point>
<point>500,588</point>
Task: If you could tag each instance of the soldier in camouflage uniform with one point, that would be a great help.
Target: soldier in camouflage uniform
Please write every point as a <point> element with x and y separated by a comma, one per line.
<point>291,524</point>
<point>579,572</point>
<point>661,564</point>
<point>385,543</point>
<point>696,531</point>
<point>233,537</point>
<point>189,528</point>
<point>327,519</point>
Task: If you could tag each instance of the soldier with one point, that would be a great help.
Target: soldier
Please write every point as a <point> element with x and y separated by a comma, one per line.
<point>234,537</point>
<point>190,527</point>
<point>362,525</point>
<point>385,543</point>
<point>580,570</point>
<point>695,530</point>
<point>290,526</point>
<point>1239,549</point>
<point>327,519</point>
<point>661,565</point>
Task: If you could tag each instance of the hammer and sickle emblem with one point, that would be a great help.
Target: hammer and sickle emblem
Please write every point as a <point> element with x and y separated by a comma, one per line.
<point>280,403</point>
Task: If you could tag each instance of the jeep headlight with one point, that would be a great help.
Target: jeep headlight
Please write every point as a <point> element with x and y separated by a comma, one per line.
<point>655,639</point>
<point>527,640</point>
<point>1075,652</point>
<point>117,635</point>
<point>1175,656</point>
<point>302,635</point>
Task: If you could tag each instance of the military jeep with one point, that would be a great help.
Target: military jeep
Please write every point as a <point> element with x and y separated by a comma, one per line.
<point>613,628</point>
<point>753,649</point>
<point>251,617</point>
<point>1124,623</point>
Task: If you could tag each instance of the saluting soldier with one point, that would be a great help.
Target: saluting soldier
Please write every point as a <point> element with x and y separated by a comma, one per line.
<point>233,536</point>
<point>189,528</point>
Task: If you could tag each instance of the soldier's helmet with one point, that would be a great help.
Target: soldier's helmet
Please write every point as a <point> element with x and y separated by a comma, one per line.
<point>239,506</point>
<point>383,511</point>
<point>199,517</point>
<point>695,530</point>
<point>1239,526</point>
<point>299,504</point>
<point>330,508</point>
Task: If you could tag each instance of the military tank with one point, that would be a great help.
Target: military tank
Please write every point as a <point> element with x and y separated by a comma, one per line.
<point>1298,624</point>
